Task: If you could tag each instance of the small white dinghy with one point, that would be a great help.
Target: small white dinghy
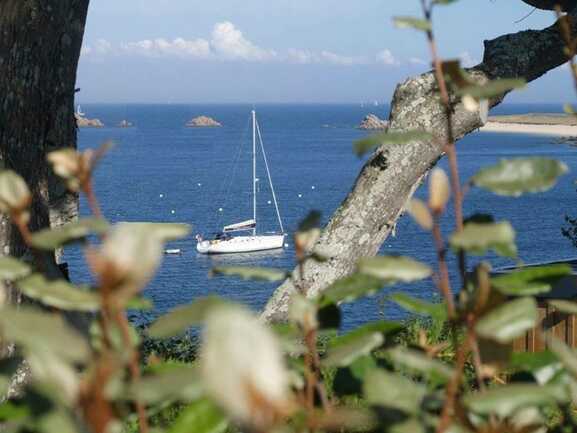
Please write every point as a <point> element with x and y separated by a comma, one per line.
<point>227,243</point>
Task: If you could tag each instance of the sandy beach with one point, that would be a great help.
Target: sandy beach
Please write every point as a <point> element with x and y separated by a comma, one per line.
<point>520,128</point>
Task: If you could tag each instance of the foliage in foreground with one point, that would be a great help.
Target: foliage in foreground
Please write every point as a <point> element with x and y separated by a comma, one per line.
<point>301,376</point>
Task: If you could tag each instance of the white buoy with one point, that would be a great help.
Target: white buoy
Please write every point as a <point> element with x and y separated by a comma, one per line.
<point>173,211</point>
<point>300,195</point>
<point>269,202</point>
<point>313,187</point>
<point>161,195</point>
<point>199,184</point>
<point>286,245</point>
<point>220,209</point>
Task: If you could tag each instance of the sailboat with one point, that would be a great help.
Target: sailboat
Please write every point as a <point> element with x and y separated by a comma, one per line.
<point>79,111</point>
<point>242,237</point>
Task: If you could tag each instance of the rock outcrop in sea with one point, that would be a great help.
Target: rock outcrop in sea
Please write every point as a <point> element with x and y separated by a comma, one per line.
<point>202,121</point>
<point>83,122</point>
<point>125,124</point>
<point>372,122</point>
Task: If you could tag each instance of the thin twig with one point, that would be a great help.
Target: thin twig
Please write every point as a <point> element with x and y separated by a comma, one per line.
<point>91,197</point>
<point>450,143</point>
<point>134,368</point>
<point>453,386</point>
<point>565,30</point>
<point>443,280</point>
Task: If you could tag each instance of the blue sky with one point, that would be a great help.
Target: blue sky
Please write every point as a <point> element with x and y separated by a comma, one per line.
<point>187,51</point>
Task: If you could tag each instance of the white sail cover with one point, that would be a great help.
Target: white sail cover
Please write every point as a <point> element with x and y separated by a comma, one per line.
<point>238,227</point>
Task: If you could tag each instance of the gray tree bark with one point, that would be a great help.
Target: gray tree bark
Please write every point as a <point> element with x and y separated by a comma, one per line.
<point>40,44</point>
<point>390,177</point>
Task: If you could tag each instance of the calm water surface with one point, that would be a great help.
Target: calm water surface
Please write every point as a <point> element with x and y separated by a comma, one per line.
<point>161,171</point>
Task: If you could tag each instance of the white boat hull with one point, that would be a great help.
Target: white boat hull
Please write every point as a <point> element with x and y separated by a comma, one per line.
<point>241,244</point>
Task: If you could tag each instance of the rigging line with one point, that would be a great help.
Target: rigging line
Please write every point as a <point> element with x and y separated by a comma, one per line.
<point>269,178</point>
<point>224,195</point>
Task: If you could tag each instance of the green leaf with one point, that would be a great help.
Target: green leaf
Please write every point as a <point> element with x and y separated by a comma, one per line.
<point>40,332</point>
<point>252,273</point>
<point>418,306</point>
<point>382,388</point>
<point>421,363</point>
<point>542,365</point>
<point>165,232</point>
<point>167,384</point>
<point>181,318</point>
<point>514,177</point>
<point>139,303</point>
<point>344,350</point>
<point>493,88</point>
<point>506,400</point>
<point>350,288</point>
<point>565,354</point>
<point>59,294</point>
<point>365,145</point>
<point>509,321</point>
<point>311,221</point>
<point>478,238</point>
<point>202,416</point>
<point>394,269</point>
<point>567,307</point>
<point>412,23</point>
<point>51,239</point>
<point>12,269</point>
<point>530,281</point>
<point>10,411</point>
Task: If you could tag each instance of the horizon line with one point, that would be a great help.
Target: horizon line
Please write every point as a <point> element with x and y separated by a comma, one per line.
<point>368,103</point>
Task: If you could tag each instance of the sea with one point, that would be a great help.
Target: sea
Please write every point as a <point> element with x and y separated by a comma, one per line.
<point>162,171</point>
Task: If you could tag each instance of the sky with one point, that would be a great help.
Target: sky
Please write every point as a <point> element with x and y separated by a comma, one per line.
<point>303,51</point>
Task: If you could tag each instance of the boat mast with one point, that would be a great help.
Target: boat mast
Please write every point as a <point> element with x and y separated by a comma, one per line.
<point>254,171</point>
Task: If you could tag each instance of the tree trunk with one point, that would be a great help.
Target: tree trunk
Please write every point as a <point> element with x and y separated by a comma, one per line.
<point>550,5</point>
<point>40,45</point>
<point>387,181</point>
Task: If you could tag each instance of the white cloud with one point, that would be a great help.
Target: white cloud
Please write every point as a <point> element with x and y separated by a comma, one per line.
<point>227,43</point>
<point>324,57</point>
<point>86,50</point>
<point>302,56</point>
<point>230,43</point>
<point>179,47</point>
<point>337,59</point>
<point>386,58</point>
<point>467,60</point>
<point>417,61</point>
<point>102,46</point>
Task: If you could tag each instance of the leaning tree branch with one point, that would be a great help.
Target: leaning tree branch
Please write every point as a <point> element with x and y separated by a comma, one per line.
<point>390,177</point>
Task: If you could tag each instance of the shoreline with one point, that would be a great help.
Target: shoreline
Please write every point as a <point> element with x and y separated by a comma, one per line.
<point>528,128</point>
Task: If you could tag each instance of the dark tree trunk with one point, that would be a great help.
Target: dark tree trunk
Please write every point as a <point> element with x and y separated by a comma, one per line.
<point>549,5</point>
<point>387,181</point>
<point>40,45</point>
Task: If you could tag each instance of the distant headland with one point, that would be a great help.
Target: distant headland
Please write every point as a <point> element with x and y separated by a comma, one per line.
<point>534,123</point>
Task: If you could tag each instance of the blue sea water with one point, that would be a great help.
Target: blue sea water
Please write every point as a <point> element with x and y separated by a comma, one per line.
<point>164,172</point>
